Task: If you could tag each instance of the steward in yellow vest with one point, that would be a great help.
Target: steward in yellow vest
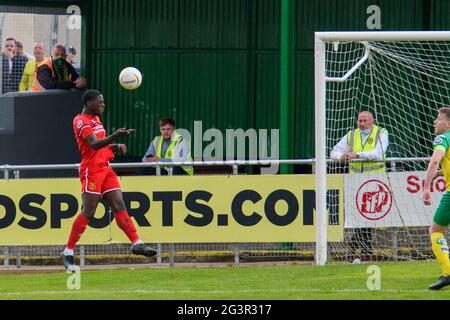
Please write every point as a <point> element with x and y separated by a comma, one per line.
<point>168,147</point>
<point>367,142</point>
<point>356,144</point>
<point>171,150</point>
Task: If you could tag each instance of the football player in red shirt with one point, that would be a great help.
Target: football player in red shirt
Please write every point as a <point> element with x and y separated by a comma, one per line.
<point>98,180</point>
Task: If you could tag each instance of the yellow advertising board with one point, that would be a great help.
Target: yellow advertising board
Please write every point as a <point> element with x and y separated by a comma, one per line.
<point>270,208</point>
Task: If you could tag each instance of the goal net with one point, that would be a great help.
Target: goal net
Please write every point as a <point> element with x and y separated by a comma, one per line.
<point>402,83</point>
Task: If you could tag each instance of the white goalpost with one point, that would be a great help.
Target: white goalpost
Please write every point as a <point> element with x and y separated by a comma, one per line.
<point>402,78</point>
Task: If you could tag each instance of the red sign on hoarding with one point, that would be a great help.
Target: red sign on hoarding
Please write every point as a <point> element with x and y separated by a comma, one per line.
<point>374,199</point>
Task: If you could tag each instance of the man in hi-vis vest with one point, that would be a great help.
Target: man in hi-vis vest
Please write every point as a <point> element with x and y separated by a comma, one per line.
<point>56,73</point>
<point>170,146</point>
<point>368,142</point>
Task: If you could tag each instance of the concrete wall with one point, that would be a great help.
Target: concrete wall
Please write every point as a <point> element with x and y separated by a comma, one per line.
<point>37,127</point>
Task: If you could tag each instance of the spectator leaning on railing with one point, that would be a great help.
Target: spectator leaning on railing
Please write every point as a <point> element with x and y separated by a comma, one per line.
<point>30,68</point>
<point>367,142</point>
<point>170,146</point>
<point>56,73</point>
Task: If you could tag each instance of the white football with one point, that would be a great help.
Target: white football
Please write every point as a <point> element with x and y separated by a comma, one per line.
<point>130,78</point>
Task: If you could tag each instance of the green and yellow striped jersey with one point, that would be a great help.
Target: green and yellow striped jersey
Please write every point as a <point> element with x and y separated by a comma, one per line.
<point>442,142</point>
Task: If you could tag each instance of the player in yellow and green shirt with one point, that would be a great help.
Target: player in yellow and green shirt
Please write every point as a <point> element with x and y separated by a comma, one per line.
<point>441,218</point>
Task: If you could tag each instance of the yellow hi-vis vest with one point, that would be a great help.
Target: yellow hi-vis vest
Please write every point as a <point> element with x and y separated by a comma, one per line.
<point>355,143</point>
<point>176,139</point>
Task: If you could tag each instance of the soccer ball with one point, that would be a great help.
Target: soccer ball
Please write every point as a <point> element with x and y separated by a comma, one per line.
<point>130,78</point>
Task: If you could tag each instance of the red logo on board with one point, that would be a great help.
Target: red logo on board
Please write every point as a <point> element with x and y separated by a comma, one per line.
<point>374,199</point>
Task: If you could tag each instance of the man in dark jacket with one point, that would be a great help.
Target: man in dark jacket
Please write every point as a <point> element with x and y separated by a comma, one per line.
<point>56,73</point>
<point>12,67</point>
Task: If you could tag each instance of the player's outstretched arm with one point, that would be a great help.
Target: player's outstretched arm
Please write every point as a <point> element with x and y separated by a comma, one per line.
<point>96,144</point>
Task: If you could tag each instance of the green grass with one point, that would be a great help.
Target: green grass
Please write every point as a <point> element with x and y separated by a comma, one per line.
<point>404,280</point>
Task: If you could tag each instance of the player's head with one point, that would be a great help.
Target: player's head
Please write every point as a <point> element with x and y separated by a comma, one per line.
<point>93,102</point>
<point>365,120</point>
<point>166,127</point>
<point>442,122</point>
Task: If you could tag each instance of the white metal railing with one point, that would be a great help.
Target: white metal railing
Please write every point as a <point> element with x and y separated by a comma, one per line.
<point>232,163</point>
<point>159,164</point>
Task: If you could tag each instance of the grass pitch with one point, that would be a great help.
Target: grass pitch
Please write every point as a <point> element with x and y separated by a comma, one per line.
<point>403,280</point>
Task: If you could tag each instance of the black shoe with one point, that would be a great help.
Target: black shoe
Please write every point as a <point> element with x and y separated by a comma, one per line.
<point>442,282</point>
<point>143,250</point>
<point>68,262</point>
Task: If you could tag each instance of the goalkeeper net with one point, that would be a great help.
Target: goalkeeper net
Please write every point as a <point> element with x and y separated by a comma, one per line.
<point>403,84</point>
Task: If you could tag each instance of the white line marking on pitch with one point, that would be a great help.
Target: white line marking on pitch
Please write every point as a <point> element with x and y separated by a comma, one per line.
<point>210,291</point>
